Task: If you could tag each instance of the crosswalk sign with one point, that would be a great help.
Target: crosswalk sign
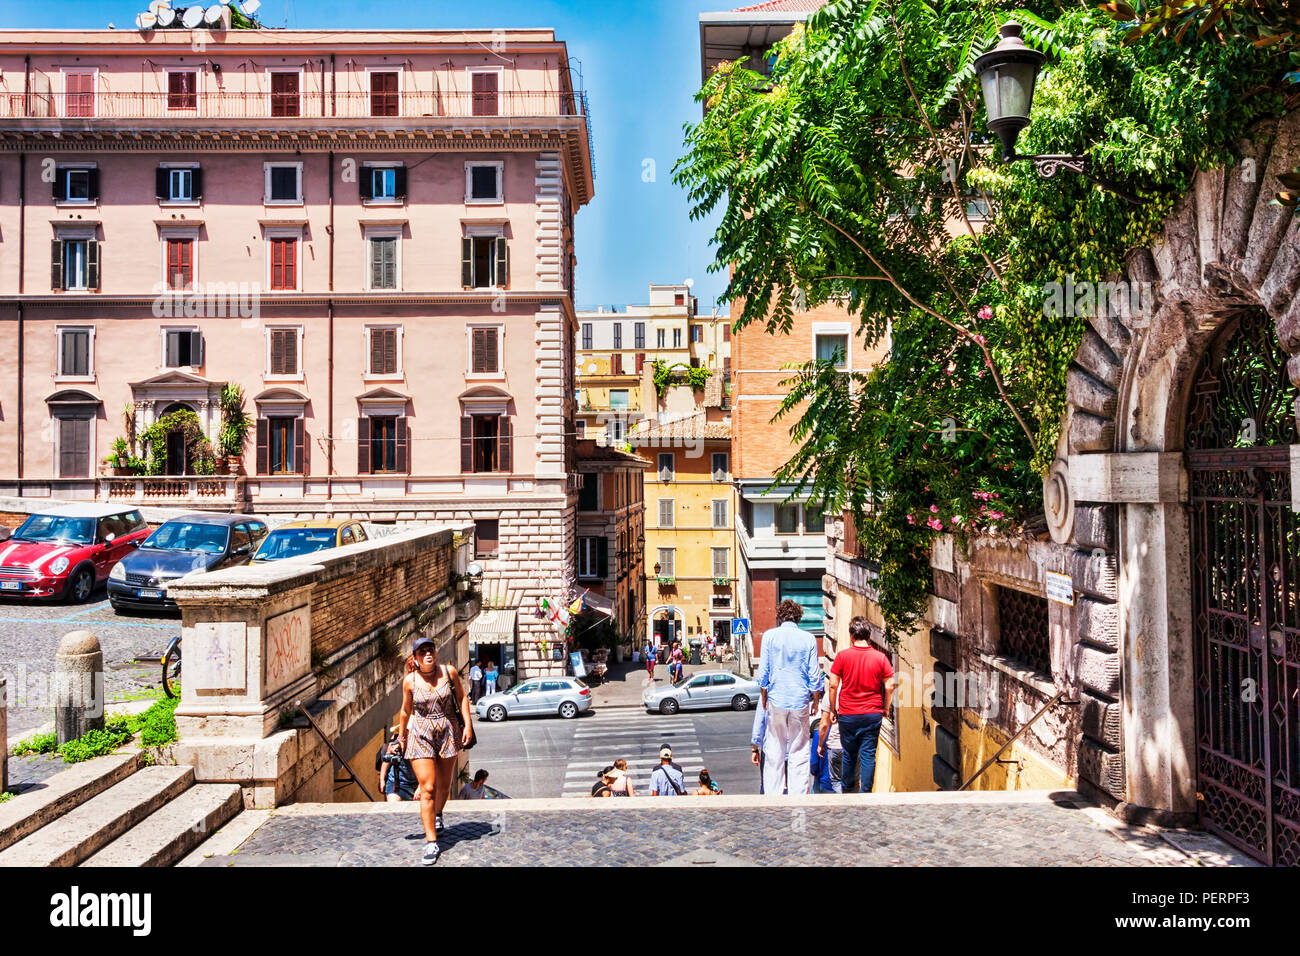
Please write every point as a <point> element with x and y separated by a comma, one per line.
<point>740,626</point>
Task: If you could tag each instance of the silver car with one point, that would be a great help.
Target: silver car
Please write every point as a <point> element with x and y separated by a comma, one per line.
<point>701,690</point>
<point>566,696</point>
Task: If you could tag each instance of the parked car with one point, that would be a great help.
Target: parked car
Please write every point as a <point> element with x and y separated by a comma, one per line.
<point>307,537</point>
<point>67,552</point>
<point>181,546</point>
<point>702,690</point>
<point>566,696</point>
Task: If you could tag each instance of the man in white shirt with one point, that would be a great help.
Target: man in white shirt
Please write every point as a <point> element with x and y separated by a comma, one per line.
<point>791,684</point>
<point>475,682</point>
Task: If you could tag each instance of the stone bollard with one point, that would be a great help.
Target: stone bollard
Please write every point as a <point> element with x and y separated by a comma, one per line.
<point>78,686</point>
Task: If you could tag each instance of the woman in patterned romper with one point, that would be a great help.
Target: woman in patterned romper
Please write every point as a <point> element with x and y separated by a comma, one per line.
<point>433,734</point>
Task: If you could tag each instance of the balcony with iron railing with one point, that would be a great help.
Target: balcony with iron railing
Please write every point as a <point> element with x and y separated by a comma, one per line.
<point>301,109</point>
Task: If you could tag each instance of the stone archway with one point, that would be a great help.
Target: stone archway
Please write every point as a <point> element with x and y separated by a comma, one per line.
<point>1117,497</point>
<point>658,626</point>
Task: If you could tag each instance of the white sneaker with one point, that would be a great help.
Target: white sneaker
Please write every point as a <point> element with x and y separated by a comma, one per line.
<point>431,852</point>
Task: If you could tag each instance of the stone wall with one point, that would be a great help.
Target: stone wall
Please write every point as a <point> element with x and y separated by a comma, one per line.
<point>326,632</point>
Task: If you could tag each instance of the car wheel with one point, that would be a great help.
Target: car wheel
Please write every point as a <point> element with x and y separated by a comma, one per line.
<point>496,713</point>
<point>568,710</point>
<point>80,586</point>
<point>669,706</point>
<point>740,702</point>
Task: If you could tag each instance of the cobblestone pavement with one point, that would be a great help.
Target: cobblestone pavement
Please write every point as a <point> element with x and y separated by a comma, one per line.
<point>1032,832</point>
<point>26,772</point>
<point>29,637</point>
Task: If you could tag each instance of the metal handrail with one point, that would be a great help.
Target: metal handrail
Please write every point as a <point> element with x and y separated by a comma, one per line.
<point>339,757</point>
<point>1016,736</point>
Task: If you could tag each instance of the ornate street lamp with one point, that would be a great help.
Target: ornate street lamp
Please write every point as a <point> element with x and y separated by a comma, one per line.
<point>1007,74</point>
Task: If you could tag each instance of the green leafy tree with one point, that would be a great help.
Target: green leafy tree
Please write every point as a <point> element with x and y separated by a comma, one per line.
<point>861,172</point>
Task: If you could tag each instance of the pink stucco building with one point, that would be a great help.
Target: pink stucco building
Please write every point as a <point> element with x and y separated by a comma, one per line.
<point>370,232</point>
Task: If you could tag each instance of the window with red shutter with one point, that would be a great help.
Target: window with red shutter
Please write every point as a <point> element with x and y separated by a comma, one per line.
<point>182,90</point>
<point>383,94</point>
<point>485,94</point>
<point>284,94</point>
<point>79,88</point>
<point>284,263</point>
<point>180,264</point>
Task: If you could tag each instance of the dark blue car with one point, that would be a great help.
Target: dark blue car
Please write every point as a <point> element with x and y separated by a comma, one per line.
<point>194,542</point>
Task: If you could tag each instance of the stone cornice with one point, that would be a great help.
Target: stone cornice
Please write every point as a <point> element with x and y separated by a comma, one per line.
<point>272,301</point>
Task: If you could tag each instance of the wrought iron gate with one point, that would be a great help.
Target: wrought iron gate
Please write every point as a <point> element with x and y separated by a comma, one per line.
<point>1246,593</point>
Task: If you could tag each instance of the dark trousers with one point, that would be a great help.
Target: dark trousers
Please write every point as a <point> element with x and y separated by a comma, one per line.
<point>859,734</point>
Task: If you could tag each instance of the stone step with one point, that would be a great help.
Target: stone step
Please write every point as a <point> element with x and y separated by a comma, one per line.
<point>168,834</point>
<point>77,834</point>
<point>35,808</point>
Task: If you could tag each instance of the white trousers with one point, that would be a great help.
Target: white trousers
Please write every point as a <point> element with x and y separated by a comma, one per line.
<point>787,751</point>
<point>491,686</point>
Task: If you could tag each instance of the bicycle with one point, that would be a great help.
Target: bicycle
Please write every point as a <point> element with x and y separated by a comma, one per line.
<point>171,668</point>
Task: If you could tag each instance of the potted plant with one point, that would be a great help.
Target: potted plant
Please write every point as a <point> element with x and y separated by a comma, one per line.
<point>121,461</point>
<point>235,422</point>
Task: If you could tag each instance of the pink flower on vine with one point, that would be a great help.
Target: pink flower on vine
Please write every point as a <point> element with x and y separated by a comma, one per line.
<point>934,509</point>
<point>985,313</point>
<point>935,524</point>
<point>910,520</point>
<point>980,339</point>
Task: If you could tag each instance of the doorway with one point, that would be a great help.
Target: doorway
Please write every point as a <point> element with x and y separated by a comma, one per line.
<point>1245,551</point>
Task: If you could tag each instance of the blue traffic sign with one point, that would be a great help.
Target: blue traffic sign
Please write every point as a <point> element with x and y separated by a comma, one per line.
<point>740,626</point>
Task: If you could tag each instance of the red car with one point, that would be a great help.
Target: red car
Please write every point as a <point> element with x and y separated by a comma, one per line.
<point>68,551</point>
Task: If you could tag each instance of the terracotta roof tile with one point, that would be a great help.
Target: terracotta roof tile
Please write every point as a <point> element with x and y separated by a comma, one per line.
<point>691,428</point>
<point>783,6</point>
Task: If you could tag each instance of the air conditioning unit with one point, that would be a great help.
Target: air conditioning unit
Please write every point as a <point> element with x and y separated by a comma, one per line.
<point>665,475</point>
<point>719,475</point>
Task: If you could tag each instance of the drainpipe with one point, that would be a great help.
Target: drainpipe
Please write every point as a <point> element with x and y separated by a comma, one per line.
<point>334,88</point>
<point>22,221</point>
<point>322,86</point>
<point>27,86</point>
<point>329,308</point>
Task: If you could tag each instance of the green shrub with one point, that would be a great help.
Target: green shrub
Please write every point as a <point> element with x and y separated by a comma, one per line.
<point>95,743</point>
<point>157,725</point>
<point>37,744</point>
<point>6,796</point>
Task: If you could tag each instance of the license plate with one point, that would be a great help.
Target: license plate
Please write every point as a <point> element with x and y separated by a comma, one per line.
<point>146,593</point>
<point>11,585</point>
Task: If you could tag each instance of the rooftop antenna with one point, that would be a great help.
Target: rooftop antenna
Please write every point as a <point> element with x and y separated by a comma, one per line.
<point>192,17</point>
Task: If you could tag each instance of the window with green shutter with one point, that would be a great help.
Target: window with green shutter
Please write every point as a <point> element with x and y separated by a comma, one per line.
<point>383,262</point>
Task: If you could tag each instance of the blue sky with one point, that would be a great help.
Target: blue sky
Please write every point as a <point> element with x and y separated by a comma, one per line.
<point>640,65</point>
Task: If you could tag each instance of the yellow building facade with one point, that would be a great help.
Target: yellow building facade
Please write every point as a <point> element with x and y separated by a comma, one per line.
<point>690,554</point>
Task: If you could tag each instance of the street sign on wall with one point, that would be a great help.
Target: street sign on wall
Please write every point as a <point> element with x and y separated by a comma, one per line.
<point>739,626</point>
<point>1060,588</point>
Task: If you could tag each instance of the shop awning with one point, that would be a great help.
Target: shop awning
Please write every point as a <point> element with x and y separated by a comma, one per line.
<point>493,626</point>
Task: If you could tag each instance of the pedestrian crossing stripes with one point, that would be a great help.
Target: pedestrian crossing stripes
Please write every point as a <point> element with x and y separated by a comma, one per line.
<point>635,737</point>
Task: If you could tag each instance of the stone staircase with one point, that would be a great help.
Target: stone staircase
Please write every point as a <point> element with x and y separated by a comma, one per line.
<point>114,811</point>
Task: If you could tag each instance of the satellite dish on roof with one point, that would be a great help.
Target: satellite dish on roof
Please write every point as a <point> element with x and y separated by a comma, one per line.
<point>144,21</point>
<point>166,17</point>
<point>212,15</point>
<point>192,17</point>
<point>155,6</point>
<point>250,7</point>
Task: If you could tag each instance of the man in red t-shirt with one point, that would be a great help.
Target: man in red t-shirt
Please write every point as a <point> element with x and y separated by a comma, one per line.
<point>861,690</point>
